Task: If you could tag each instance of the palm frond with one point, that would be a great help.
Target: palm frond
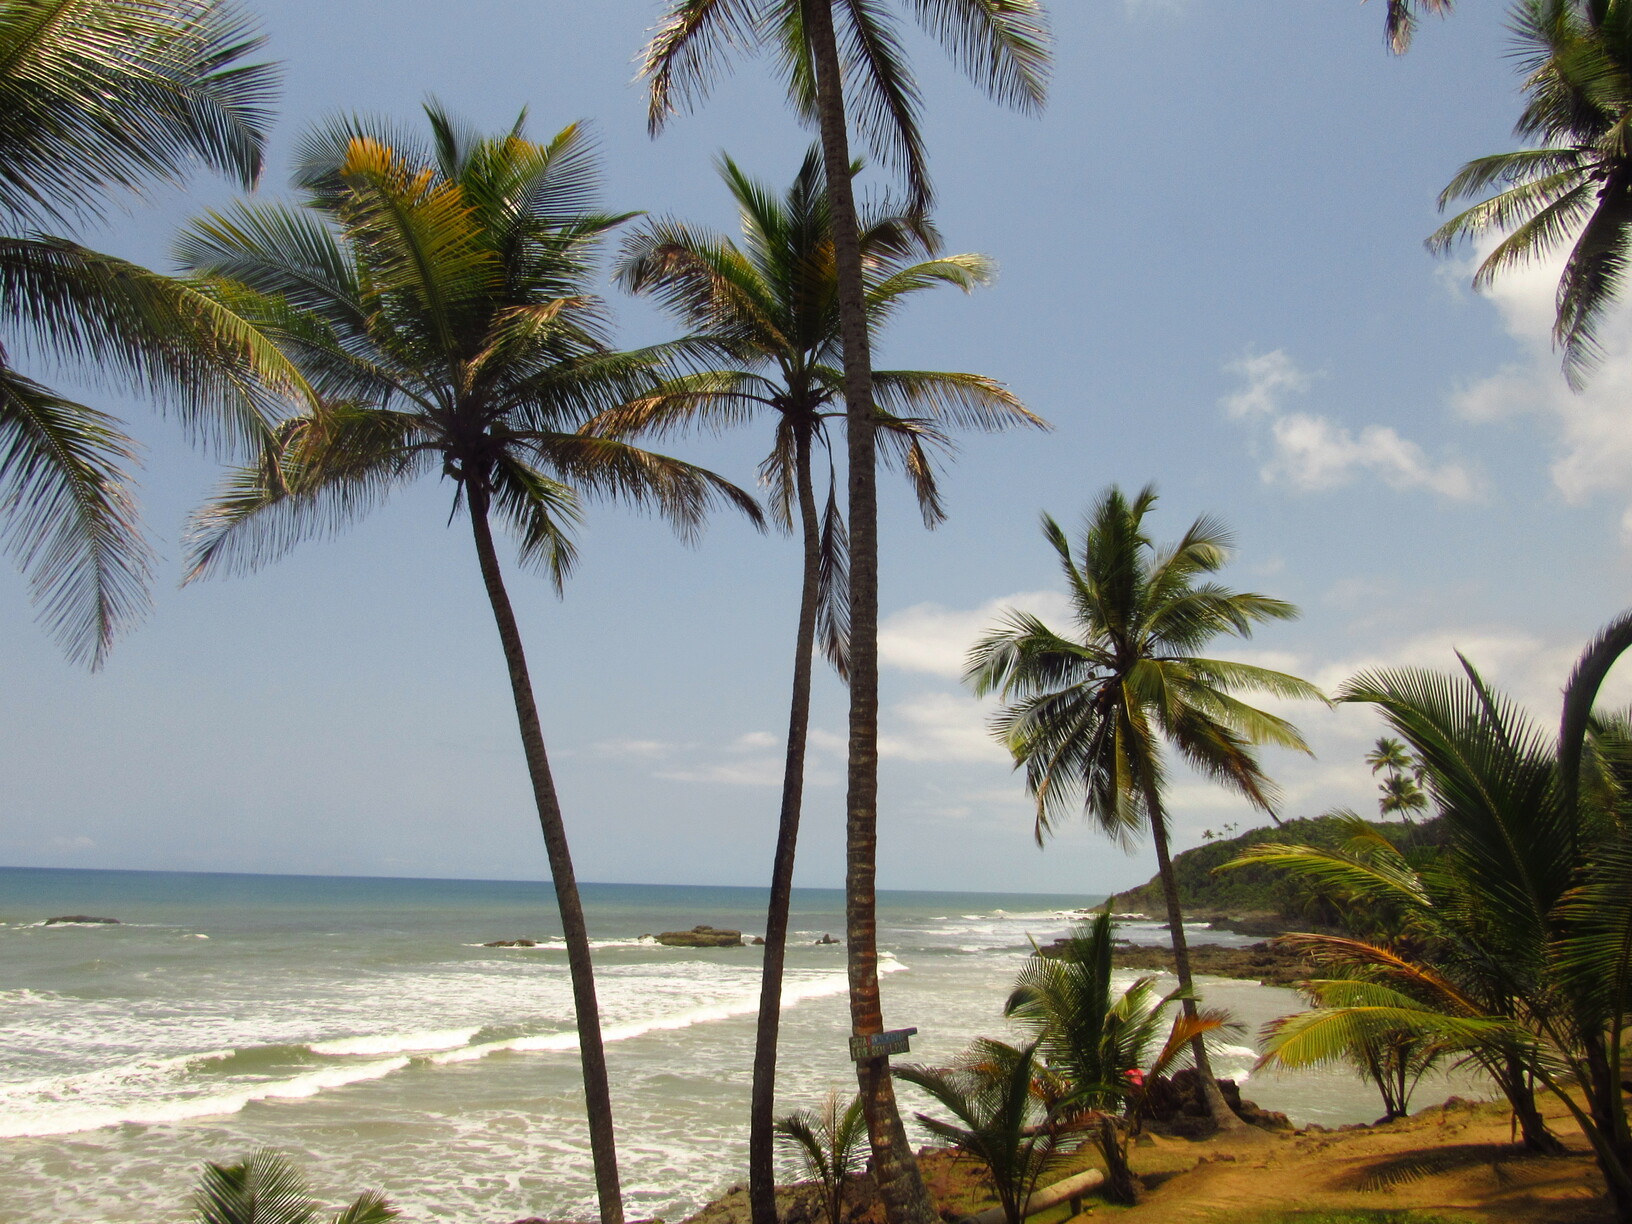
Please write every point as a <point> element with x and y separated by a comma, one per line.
<point>1002,44</point>
<point>67,515</point>
<point>122,93</point>
<point>265,1189</point>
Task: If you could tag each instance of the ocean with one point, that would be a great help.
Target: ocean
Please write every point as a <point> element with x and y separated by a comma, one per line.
<point>361,1026</point>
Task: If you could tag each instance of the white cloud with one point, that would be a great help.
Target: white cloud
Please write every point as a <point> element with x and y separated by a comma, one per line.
<point>646,750</point>
<point>758,771</point>
<point>71,843</point>
<point>930,638</point>
<point>938,727</point>
<point>1592,444</point>
<point>1311,452</point>
<point>1268,378</point>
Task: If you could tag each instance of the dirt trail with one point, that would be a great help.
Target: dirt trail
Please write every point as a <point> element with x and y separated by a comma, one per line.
<point>1459,1160</point>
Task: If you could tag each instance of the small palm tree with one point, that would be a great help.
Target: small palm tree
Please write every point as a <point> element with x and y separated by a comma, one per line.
<point>1097,1039</point>
<point>1574,187</point>
<point>1089,713</point>
<point>437,297</point>
<point>829,1143</point>
<point>1007,1112</point>
<point>1004,44</point>
<point>268,1189</point>
<point>767,307</point>
<point>102,97</point>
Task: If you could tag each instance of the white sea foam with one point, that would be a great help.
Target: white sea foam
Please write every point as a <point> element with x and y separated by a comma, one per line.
<point>155,1091</point>
<point>724,1009</point>
<point>396,1043</point>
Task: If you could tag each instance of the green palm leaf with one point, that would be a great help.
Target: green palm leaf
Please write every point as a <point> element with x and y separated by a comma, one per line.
<point>69,519</point>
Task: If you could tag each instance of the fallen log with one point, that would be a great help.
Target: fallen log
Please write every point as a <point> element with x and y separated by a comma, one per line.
<point>1072,1188</point>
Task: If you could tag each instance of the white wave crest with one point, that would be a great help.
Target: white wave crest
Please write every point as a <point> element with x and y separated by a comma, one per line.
<point>396,1043</point>
<point>88,1102</point>
<point>724,1009</point>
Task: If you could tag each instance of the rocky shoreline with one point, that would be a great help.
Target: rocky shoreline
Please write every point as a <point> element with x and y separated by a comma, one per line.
<point>1263,962</point>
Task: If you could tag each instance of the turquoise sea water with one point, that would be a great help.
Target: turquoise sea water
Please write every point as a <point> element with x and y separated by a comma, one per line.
<point>360,1025</point>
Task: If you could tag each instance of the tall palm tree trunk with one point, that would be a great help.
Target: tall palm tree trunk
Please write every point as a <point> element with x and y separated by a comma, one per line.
<point>761,1136</point>
<point>894,1167</point>
<point>597,1096</point>
<point>1217,1107</point>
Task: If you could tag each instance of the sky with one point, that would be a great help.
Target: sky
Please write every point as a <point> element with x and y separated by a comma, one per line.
<point>1212,277</point>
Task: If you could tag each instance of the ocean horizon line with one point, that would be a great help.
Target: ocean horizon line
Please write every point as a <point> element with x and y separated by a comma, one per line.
<point>757,888</point>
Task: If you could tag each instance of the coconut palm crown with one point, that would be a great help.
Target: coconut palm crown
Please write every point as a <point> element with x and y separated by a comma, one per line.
<point>1002,44</point>
<point>436,296</point>
<point>1089,713</point>
<point>767,309</point>
<point>1574,188</point>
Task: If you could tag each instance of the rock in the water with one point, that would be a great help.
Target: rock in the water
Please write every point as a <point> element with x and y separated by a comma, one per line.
<point>700,937</point>
<point>758,941</point>
<point>67,918</point>
<point>512,943</point>
<point>827,939</point>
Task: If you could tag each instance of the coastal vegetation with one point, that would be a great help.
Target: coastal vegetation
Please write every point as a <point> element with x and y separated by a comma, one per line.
<point>267,1189</point>
<point>434,292</point>
<point>764,324</point>
<point>829,1145</point>
<point>1088,711</point>
<point>862,79</point>
<point>1263,898</point>
<point>429,308</point>
<point>1513,946</point>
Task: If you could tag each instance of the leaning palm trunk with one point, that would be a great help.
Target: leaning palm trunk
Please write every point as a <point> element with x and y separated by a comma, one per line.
<point>894,1166</point>
<point>1217,1107</point>
<point>761,1111</point>
<point>597,1096</point>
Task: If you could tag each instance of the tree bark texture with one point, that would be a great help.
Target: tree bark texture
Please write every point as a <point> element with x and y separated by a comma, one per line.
<point>1217,1107</point>
<point>597,1095</point>
<point>894,1166</point>
<point>761,1136</point>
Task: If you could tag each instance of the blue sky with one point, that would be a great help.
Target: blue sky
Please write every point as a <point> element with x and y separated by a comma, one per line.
<point>1212,276</point>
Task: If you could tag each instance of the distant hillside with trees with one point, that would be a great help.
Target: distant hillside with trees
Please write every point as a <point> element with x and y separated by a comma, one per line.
<point>1262,890</point>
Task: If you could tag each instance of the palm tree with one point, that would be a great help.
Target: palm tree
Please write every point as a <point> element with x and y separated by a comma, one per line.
<point>829,1144</point>
<point>1389,755</point>
<point>436,298</point>
<point>768,309</point>
<point>267,1189</point>
<point>1575,187</point>
<point>1089,713</point>
<point>1004,44</point>
<point>1096,1039</point>
<point>1523,932</point>
<point>99,98</point>
<point>1009,1113</point>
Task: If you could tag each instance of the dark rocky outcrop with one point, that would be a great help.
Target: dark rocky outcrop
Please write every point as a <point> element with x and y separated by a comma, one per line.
<point>68,918</point>
<point>512,943</point>
<point>1262,962</point>
<point>758,941</point>
<point>1175,1106</point>
<point>827,939</point>
<point>701,937</point>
